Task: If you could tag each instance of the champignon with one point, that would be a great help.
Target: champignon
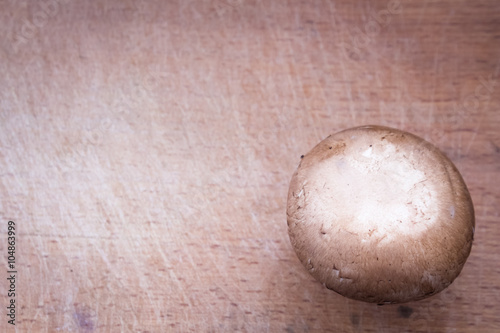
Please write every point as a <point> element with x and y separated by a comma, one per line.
<point>380,215</point>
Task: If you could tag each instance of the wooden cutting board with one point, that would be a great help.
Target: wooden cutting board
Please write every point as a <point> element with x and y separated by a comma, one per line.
<point>146,149</point>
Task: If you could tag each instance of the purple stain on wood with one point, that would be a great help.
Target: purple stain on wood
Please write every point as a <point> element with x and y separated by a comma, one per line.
<point>405,311</point>
<point>355,319</point>
<point>84,320</point>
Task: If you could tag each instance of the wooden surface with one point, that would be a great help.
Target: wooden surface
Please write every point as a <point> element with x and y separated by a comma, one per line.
<point>146,149</point>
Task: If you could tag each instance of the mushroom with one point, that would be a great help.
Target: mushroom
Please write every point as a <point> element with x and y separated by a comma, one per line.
<point>380,215</point>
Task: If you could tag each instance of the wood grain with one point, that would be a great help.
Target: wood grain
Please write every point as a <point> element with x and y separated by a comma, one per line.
<point>146,149</point>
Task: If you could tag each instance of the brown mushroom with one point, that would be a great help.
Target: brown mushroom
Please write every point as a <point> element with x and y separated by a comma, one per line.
<point>380,215</point>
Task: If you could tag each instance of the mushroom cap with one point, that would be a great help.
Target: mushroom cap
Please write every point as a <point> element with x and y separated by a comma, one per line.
<point>380,215</point>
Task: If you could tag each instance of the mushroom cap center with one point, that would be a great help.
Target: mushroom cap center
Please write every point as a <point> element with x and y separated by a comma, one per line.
<point>378,192</point>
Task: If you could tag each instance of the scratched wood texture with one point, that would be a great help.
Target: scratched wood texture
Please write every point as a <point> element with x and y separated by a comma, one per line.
<point>146,149</point>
